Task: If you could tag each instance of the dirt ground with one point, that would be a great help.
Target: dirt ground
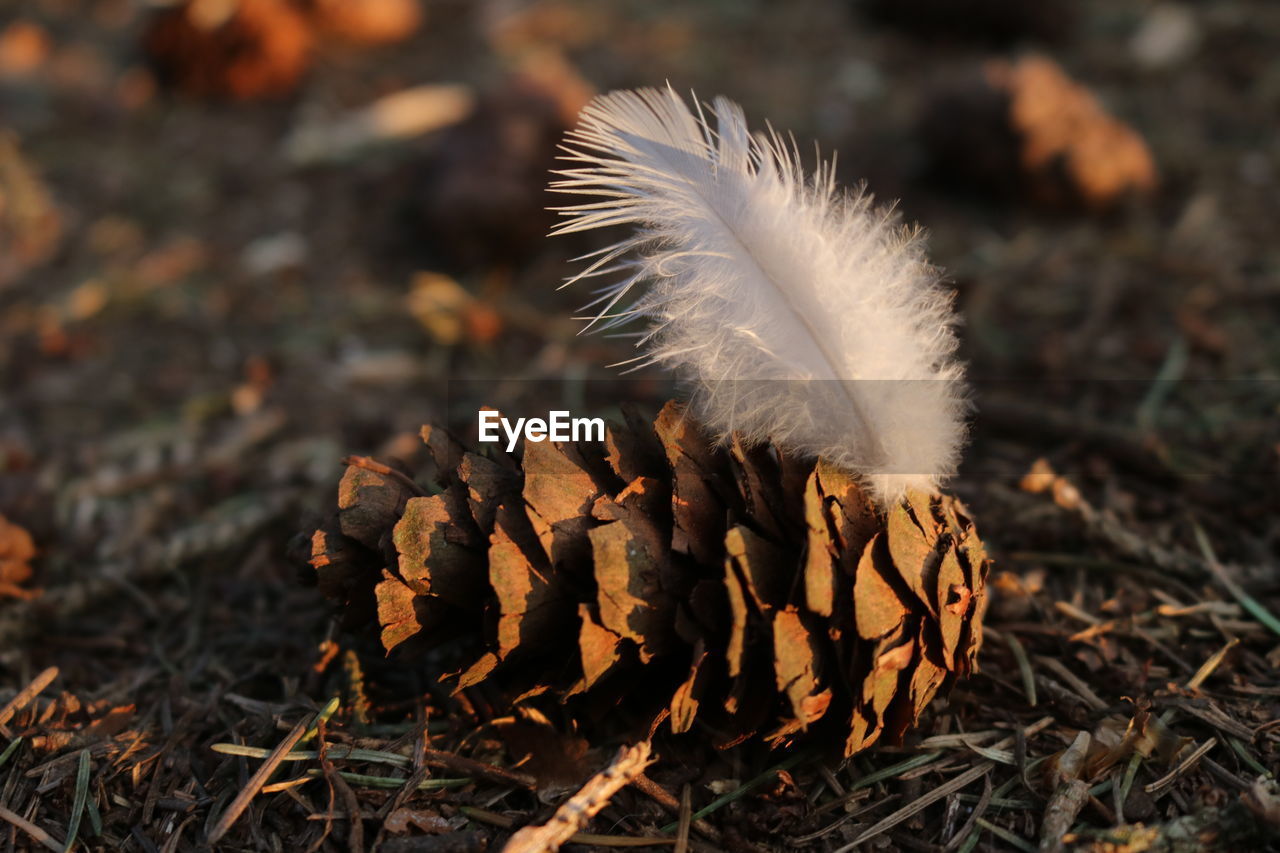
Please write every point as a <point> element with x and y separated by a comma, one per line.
<point>200,317</point>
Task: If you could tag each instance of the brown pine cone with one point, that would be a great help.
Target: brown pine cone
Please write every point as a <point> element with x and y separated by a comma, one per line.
<point>230,48</point>
<point>1026,127</point>
<point>30,227</point>
<point>16,552</point>
<point>1071,147</point>
<point>658,578</point>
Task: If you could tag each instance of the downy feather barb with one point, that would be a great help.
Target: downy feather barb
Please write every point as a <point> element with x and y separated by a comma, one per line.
<point>795,311</point>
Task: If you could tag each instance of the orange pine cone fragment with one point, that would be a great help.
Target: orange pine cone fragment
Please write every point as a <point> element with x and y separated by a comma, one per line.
<point>30,226</point>
<point>660,579</point>
<point>240,49</point>
<point>1071,148</point>
<point>16,552</point>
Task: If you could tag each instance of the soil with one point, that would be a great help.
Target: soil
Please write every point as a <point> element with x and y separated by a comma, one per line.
<point>197,326</point>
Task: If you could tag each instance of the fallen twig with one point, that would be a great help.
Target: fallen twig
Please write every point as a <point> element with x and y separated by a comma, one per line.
<point>1248,602</point>
<point>1068,797</point>
<point>241,802</point>
<point>26,694</point>
<point>584,805</point>
<point>686,813</point>
<point>1158,786</point>
<point>471,767</point>
<point>919,805</point>
<point>38,834</point>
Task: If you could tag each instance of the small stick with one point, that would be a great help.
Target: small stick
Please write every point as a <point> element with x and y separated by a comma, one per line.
<point>920,804</point>
<point>30,829</point>
<point>662,797</point>
<point>471,767</point>
<point>801,840</point>
<point>969,825</point>
<point>1093,700</point>
<point>1024,667</point>
<point>584,805</point>
<point>241,802</point>
<point>657,793</point>
<point>355,828</point>
<point>1248,602</point>
<point>26,694</point>
<point>1068,798</point>
<point>686,812</point>
<point>585,838</point>
<point>744,789</point>
<point>1157,787</point>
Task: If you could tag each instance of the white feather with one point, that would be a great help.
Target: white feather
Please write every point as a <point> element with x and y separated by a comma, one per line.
<point>798,313</point>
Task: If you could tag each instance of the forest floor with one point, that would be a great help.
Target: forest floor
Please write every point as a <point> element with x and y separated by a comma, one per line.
<point>202,319</point>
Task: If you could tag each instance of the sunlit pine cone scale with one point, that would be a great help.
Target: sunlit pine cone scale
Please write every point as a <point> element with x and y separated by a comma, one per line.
<point>735,589</point>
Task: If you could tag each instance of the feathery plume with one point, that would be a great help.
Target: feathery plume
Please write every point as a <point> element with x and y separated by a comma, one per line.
<point>795,312</point>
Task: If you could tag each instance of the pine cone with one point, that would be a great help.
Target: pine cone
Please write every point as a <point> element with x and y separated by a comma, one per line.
<point>1026,127</point>
<point>16,552</point>
<point>667,579</point>
<point>30,228</point>
<point>1071,148</point>
<point>230,48</point>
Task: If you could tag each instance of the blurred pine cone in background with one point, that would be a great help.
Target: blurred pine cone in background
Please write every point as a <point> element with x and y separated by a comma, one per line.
<point>30,227</point>
<point>1027,127</point>
<point>17,550</point>
<point>658,579</point>
<point>249,49</point>
<point>230,48</point>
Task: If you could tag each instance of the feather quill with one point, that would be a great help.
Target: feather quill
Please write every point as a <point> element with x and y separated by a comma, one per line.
<point>795,311</point>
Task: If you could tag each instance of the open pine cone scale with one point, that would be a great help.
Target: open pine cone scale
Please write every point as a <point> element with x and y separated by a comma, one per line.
<point>667,580</point>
